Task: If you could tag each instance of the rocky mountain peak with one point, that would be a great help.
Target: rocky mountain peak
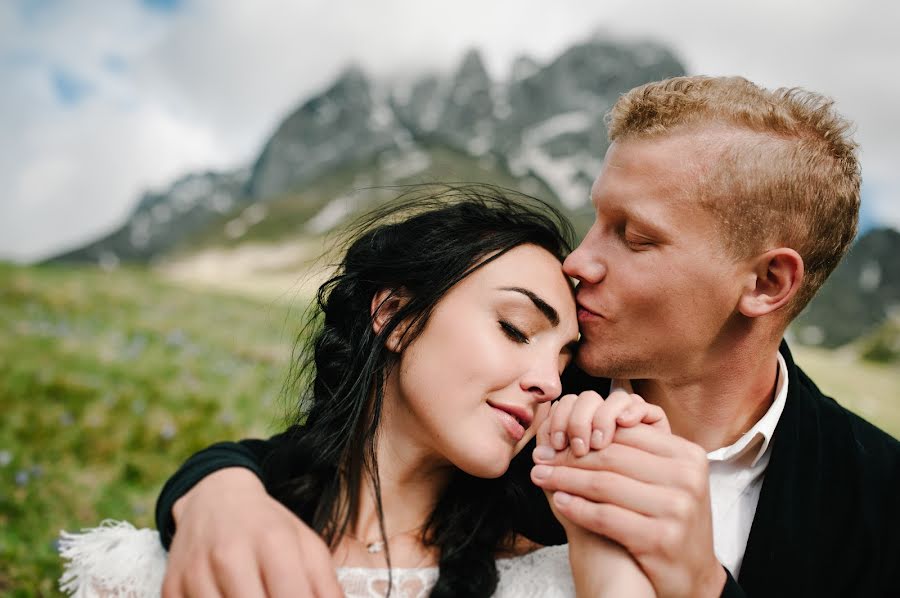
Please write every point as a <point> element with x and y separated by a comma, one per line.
<point>471,68</point>
<point>346,123</point>
<point>859,295</point>
<point>352,82</point>
<point>468,119</point>
<point>523,67</point>
<point>542,129</point>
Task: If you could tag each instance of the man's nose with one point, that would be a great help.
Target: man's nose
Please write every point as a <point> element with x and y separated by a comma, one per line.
<point>583,264</point>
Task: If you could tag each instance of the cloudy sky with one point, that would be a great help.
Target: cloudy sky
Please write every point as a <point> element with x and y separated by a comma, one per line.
<point>103,99</point>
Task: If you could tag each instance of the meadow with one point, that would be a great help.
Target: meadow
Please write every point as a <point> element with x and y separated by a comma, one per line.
<point>108,380</point>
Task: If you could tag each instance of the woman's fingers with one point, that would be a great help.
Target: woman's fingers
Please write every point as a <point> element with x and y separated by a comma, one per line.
<point>656,417</point>
<point>586,422</point>
<point>580,428</point>
<point>633,413</point>
<point>559,421</point>
<point>542,435</point>
<point>605,418</point>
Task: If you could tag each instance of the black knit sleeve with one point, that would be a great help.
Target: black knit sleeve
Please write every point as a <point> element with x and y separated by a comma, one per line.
<point>533,517</point>
<point>249,454</point>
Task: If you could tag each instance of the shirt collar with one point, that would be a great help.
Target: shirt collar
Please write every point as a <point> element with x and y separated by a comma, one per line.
<point>760,435</point>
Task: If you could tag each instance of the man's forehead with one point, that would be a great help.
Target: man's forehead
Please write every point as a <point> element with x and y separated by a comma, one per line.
<point>692,145</point>
<point>663,167</point>
<point>677,166</point>
<point>652,180</point>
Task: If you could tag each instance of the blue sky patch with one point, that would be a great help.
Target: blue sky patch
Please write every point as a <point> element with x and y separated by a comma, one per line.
<point>33,11</point>
<point>868,219</point>
<point>163,5</point>
<point>115,64</point>
<point>69,89</point>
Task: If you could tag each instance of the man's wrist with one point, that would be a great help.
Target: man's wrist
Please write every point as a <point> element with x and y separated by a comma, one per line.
<point>716,582</point>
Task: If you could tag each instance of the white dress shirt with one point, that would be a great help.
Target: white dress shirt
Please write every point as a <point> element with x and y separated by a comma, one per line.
<point>736,475</point>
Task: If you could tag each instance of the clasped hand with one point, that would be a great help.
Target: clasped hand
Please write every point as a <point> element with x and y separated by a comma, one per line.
<point>613,468</point>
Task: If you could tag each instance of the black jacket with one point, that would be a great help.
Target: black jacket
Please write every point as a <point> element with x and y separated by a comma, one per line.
<point>827,522</point>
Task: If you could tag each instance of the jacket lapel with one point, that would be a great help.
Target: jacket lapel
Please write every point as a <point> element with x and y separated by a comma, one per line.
<point>802,537</point>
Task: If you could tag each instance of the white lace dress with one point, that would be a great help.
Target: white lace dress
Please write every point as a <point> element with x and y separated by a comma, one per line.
<point>118,560</point>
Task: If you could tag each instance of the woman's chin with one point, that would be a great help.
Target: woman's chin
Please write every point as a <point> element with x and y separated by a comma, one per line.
<point>487,464</point>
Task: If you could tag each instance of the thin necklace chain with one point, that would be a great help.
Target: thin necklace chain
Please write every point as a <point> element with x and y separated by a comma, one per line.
<point>375,546</point>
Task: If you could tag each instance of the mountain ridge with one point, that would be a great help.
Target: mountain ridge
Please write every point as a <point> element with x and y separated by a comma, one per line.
<point>540,129</point>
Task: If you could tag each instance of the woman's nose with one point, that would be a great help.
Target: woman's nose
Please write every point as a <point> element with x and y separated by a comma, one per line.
<point>543,382</point>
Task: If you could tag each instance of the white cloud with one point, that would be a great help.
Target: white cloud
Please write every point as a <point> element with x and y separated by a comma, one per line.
<point>203,86</point>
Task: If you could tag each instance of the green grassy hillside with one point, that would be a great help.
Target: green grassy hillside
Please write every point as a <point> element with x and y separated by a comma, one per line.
<point>109,380</point>
<point>871,389</point>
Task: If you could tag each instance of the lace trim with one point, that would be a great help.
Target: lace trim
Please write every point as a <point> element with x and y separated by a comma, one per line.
<point>117,560</point>
<point>112,560</point>
<point>543,573</point>
<point>359,582</point>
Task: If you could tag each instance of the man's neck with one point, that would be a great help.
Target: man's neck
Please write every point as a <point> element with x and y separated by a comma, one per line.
<point>721,402</point>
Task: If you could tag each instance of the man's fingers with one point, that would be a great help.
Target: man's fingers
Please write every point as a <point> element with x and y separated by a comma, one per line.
<point>171,587</point>
<point>632,530</point>
<point>580,428</point>
<point>239,576</point>
<point>282,582</point>
<point>279,565</point>
<point>624,460</point>
<point>320,570</point>
<point>605,487</point>
<point>200,583</point>
<point>324,583</point>
<point>659,442</point>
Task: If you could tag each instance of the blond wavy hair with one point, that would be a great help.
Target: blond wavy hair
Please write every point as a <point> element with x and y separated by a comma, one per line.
<point>785,173</point>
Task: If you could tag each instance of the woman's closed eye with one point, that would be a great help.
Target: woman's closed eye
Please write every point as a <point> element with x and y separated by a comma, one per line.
<point>513,332</point>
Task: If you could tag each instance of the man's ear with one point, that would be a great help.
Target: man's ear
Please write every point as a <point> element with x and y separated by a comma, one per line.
<point>385,305</point>
<point>773,282</point>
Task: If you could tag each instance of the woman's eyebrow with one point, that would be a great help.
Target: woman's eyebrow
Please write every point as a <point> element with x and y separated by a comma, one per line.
<point>544,307</point>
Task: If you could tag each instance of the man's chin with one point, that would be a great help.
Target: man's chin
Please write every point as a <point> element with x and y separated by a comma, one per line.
<point>609,366</point>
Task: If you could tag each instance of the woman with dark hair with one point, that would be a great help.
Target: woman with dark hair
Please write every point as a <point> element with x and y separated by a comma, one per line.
<point>435,353</point>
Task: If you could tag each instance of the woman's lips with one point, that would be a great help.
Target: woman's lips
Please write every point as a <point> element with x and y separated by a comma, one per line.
<point>510,424</point>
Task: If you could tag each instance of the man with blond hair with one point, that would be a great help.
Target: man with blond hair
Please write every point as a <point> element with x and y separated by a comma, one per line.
<point>721,208</point>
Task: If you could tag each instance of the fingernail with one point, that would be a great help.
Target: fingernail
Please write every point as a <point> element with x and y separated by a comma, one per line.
<point>578,447</point>
<point>596,439</point>
<point>559,441</point>
<point>561,498</point>
<point>543,453</point>
<point>541,472</point>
